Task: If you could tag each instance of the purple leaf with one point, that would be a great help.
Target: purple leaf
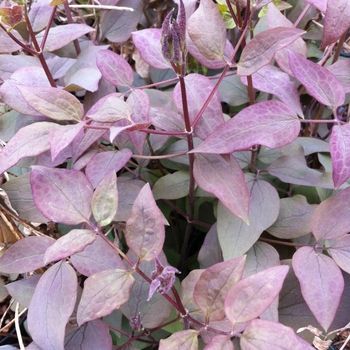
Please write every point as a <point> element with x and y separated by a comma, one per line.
<point>85,139</point>
<point>275,19</point>
<point>7,45</point>
<point>210,252</point>
<point>341,70</point>
<point>319,4</point>
<point>331,219</point>
<point>220,342</point>
<point>52,102</point>
<point>139,102</point>
<point>270,123</point>
<point>232,91</point>
<point>217,63</point>
<point>340,251</point>
<point>172,186</point>
<point>272,80</point>
<point>61,195</point>
<point>61,136</point>
<point>104,292</point>
<point>10,94</point>
<point>138,304</point>
<point>250,297</point>
<point>9,64</point>
<point>235,237</point>
<point>321,283</point>
<point>144,232</point>
<point>51,306</point>
<point>210,39</point>
<point>62,35</point>
<point>336,21</point>
<point>73,242</point>
<point>29,141</point>
<point>23,290</point>
<point>166,119</point>
<point>213,285</point>
<point>110,110</point>
<point>198,89</point>
<point>96,257</point>
<point>26,255</point>
<point>319,82</point>
<point>293,169</point>
<point>261,49</point>
<point>114,68</point>
<point>20,195</point>
<point>86,78</point>
<point>91,336</point>
<point>339,145</point>
<point>225,180</point>
<point>117,26</point>
<point>184,340</point>
<point>294,219</point>
<point>262,334</point>
<point>38,14</point>
<point>103,163</point>
<point>104,202</point>
<point>147,42</point>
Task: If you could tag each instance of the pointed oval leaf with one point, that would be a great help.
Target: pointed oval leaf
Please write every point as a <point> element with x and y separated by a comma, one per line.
<point>38,15</point>
<point>250,297</point>
<point>172,186</point>
<point>147,42</point>
<point>340,151</point>
<point>210,38</point>
<point>73,242</point>
<point>25,255</point>
<point>62,35</point>
<point>341,70</point>
<point>262,334</point>
<point>29,141</point>
<point>225,180</point>
<point>319,82</point>
<point>321,283</point>
<point>104,292</point>
<point>105,200</point>
<point>91,336</point>
<point>270,123</point>
<point>96,257</point>
<point>29,76</point>
<point>111,110</point>
<point>53,103</point>
<point>340,251</point>
<point>50,308</point>
<point>212,287</point>
<point>331,219</point>
<point>220,342</point>
<point>144,232</point>
<point>61,195</point>
<point>261,49</point>
<point>101,164</point>
<point>210,252</point>
<point>272,80</point>
<point>236,237</point>
<point>23,290</point>
<point>61,136</point>
<point>336,21</point>
<point>198,89</point>
<point>114,68</point>
<point>184,340</point>
<point>294,219</point>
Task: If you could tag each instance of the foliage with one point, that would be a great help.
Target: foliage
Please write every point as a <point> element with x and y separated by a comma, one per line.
<point>114,129</point>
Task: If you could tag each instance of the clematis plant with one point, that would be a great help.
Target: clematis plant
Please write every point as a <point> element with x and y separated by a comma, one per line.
<point>175,174</point>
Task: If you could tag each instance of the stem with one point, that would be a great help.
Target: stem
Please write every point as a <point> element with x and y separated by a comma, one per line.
<point>339,47</point>
<point>275,241</point>
<point>191,163</point>
<point>39,50</point>
<point>47,29</point>
<point>235,19</point>
<point>301,15</point>
<point>250,90</point>
<point>70,20</point>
